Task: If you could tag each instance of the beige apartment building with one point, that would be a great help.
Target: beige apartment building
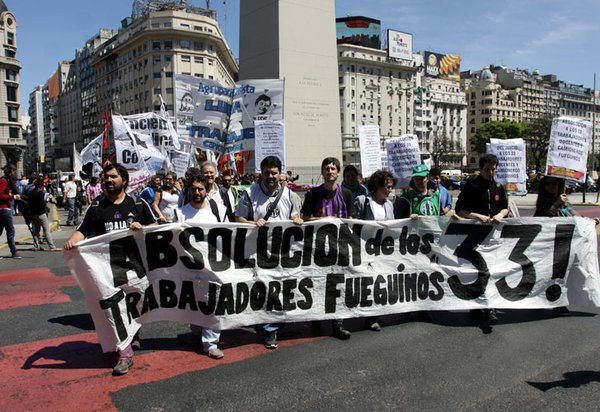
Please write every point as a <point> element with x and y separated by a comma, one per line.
<point>140,62</point>
<point>374,90</point>
<point>12,143</point>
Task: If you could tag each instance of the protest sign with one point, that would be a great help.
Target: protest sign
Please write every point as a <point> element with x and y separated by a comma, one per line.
<point>568,148</point>
<point>269,141</point>
<point>403,153</point>
<point>91,157</point>
<point>512,169</point>
<point>221,118</point>
<point>230,275</point>
<point>180,162</point>
<point>370,149</point>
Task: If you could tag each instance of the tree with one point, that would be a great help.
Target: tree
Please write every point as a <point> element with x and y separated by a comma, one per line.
<point>446,152</point>
<point>537,140</point>
<point>498,130</point>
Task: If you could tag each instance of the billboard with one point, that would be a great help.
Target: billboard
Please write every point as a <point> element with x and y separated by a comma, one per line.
<point>442,66</point>
<point>362,31</point>
<point>400,45</point>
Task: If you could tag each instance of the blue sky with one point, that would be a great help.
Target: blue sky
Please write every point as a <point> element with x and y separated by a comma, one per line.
<point>552,36</point>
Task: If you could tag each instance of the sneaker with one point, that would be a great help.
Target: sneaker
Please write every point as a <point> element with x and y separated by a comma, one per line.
<point>271,340</point>
<point>122,366</point>
<point>17,255</point>
<point>55,249</point>
<point>340,332</point>
<point>375,327</point>
<point>217,353</point>
<point>135,342</point>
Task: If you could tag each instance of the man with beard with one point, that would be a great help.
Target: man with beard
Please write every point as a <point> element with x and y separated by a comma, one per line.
<point>114,210</point>
<point>267,201</point>
<point>326,200</point>
<point>8,193</point>
<point>201,209</point>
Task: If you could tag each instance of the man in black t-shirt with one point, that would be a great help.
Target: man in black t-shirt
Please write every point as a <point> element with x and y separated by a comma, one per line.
<point>485,200</point>
<point>115,210</point>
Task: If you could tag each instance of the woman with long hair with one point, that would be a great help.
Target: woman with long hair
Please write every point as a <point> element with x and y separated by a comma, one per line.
<point>166,199</point>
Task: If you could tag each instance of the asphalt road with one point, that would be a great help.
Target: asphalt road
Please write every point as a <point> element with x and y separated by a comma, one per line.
<point>50,359</point>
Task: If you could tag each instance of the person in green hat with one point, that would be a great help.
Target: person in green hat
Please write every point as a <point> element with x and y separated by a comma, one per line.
<point>421,200</point>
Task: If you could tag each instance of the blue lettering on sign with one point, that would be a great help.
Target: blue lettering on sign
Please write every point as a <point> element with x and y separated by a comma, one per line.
<point>245,134</point>
<point>217,106</point>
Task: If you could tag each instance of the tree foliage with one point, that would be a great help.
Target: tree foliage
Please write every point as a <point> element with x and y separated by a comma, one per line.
<point>498,130</point>
<point>537,141</point>
<point>445,152</point>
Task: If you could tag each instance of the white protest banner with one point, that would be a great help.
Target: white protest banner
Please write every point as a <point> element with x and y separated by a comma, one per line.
<point>370,149</point>
<point>403,153</point>
<point>180,162</point>
<point>152,155</point>
<point>568,148</point>
<point>160,130</point>
<point>512,167</point>
<point>229,275</point>
<point>91,157</point>
<point>269,140</point>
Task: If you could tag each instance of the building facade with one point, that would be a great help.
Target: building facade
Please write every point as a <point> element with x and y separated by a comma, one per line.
<point>374,90</point>
<point>12,143</point>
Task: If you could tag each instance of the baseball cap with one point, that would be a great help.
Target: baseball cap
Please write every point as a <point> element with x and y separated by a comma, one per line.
<point>420,170</point>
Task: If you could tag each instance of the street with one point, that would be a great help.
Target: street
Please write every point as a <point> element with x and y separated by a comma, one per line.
<point>530,360</point>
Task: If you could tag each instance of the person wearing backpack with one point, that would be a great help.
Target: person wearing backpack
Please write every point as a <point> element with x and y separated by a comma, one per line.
<point>201,209</point>
<point>267,201</point>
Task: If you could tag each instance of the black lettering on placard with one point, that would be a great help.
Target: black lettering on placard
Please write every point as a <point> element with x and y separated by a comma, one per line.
<point>265,259</point>
<point>423,286</point>
<point>349,239</point>
<point>288,294</point>
<point>258,295</point>
<point>373,245</point>
<point>242,297</point>
<point>427,241</point>
<point>325,253</point>
<point>309,232</point>
<point>393,288</point>
<point>166,290</point>
<point>197,260</point>
<point>476,234</point>
<point>150,302</point>
<point>112,304</point>
<point>352,292</point>
<point>365,291</point>
<point>240,249</point>
<point>226,304</point>
<point>436,278</point>
<point>125,256</point>
<point>209,307</point>
<point>131,301</point>
<point>526,234</point>
<point>273,302</point>
<point>287,261</point>
<point>304,288</point>
<point>562,250</point>
<point>187,297</point>
<point>410,286</point>
<point>331,291</point>
<point>160,252</point>
<point>213,239</point>
<point>379,291</point>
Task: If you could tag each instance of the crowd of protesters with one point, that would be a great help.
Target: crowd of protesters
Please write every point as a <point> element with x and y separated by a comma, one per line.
<point>204,197</point>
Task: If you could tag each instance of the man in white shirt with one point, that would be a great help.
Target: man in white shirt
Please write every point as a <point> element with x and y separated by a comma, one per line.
<point>213,190</point>
<point>70,196</point>
<point>201,209</point>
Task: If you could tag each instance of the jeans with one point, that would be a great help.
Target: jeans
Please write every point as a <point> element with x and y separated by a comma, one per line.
<point>73,211</point>
<point>6,223</point>
<point>44,222</point>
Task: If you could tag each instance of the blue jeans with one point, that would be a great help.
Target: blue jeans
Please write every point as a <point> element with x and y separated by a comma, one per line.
<point>6,223</point>
<point>73,212</point>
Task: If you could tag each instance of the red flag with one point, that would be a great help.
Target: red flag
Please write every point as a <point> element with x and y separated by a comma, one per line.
<point>240,163</point>
<point>105,143</point>
<point>223,163</point>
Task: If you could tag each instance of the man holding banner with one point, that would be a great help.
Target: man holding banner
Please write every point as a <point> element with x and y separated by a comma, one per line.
<point>115,210</point>
<point>485,200</point>
<point>263,201</point>
<point>326,200</point>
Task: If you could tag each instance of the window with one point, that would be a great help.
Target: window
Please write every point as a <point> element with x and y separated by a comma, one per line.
<point>198,45</point>
<point>186,58</point>
<point>10,54</point>
<point>10,38</point>
<point>155,25</point>
<point>185,26</point>
<point>168,44</point>
<point>168,59</point>
<point>11,93</point>
<point>11,75</point>
<point>200,75</point>
<point>210,62</point>
<point>169,74</point>
<point>198,59</point>
<point>156,59</point>
<point>13,132</point>
<point>184,44</point>
<point>167,24</point>
<point>12,114</point>
<point>155,45</point>
<point>157,75</point>
<point>169,90</point>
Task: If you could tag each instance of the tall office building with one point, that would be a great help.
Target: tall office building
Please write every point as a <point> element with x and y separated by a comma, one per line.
<point>12,143</point>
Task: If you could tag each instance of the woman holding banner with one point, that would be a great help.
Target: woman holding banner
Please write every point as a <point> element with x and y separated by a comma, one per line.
<point>166,199</point>
<point>376,206</point>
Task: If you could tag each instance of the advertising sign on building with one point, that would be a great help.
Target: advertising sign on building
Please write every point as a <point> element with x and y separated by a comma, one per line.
<point>442,66</point>
<point>358,30</point>
<point>400,45</point>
